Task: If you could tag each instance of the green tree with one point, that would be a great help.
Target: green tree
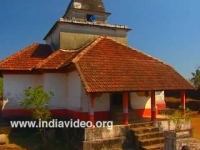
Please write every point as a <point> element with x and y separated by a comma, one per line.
<point>196,78</point>
<point>1,87</point>
<point>37,100</point>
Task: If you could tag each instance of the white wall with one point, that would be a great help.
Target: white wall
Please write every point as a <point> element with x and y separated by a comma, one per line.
<point>65,86</point>
<point>101,103</point>
<point>84,99</point>
<point>66,89</point>
<point>57,83</point>
<point>96,30</point>
<point>54,39</point>
<point>73,91</point>
<point>160,97</point>
<point>141,102</point>
<point>14,86</point>
<point>69,93</point>
<point>87,30</point>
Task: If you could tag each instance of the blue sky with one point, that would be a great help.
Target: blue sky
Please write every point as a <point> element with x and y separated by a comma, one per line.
<point>166,29</point>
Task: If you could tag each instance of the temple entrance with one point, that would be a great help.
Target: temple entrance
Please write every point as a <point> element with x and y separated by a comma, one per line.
<point>118,110</point>
<point>116,100</point>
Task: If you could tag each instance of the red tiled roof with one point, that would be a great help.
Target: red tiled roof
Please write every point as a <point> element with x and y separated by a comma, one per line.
<point>108,66</point>
<point>27,58</point>
<point>104,66</point>
<point>58,59</point>
<point>38,56</point>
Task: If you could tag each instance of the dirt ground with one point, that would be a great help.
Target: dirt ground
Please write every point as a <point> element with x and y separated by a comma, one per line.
<point>195,122</point>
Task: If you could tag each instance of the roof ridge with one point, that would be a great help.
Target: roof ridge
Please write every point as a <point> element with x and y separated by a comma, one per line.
<point>141,52</point>
<point>66,50</point>
<point>18,53</point>
<point>35,67</point>
<point>80,55</point>
<point>87,48</point>
<point>79,49</point>
<point>62,50</point>
<point>61,64</point>
<point>46,59</point>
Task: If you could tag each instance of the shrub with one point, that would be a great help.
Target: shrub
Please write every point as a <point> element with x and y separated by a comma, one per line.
<point>179,118</point>
<point>37,99</point>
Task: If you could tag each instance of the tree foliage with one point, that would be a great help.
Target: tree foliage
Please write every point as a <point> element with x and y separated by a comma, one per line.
<point>1,87</point>
<point>196,78</point>
<point>37,100</point>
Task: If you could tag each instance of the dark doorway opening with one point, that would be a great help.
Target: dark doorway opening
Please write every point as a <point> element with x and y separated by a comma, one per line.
<point>116,100</point>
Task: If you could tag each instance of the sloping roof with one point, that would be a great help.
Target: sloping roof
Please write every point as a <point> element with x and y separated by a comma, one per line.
<point>108,66</point>
<point>27,58</point>
<point>58,59</point>
<point>38,56</point>
<point>104,66</point>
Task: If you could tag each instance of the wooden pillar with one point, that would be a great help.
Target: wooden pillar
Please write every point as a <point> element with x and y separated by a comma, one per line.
<point>183,101</point>
<point>125,108</point>
<point>153,106</point>
<point>91,108</point>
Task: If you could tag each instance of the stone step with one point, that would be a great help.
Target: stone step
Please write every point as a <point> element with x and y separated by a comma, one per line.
<point>166,111</point>
<point>120,118</point>
<point>121,115</point>
<point>154,147</point>
<point>149,135</point>
<point>118,112</point>
<point>108,143</point>
<point>142,130</point>
<point>152,141</point>
<point>145,124</point>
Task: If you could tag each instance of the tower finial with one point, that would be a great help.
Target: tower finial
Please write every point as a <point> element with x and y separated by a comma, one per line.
<point>90,5</point>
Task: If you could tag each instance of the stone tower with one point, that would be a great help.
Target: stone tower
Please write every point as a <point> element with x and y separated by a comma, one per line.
<point>83,21</point>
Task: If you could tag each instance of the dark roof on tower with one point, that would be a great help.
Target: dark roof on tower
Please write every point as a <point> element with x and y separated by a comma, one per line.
<point>90,5</point>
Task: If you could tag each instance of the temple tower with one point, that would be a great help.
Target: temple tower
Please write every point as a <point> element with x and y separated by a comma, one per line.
<point>83,21</point>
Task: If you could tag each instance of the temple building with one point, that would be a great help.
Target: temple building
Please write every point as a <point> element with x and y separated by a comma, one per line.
<point>91,70</point>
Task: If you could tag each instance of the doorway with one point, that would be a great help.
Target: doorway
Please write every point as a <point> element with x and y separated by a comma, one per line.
<point>116,100</point>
